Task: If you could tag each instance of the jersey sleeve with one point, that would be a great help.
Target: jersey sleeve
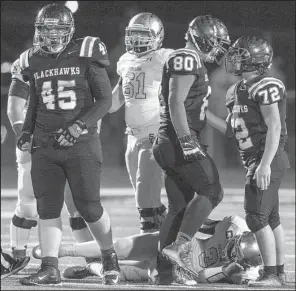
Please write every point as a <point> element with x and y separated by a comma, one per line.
<point>230,96</point>
<point>18,86</point>
<point>183,62</point>
<point>95,49</point>
<point>268,91</point>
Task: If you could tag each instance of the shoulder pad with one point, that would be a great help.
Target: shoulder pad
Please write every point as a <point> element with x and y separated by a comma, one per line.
<point>165,53</point>
<point>24,60</point>
<point>184,61</point>
<point>267,91</point>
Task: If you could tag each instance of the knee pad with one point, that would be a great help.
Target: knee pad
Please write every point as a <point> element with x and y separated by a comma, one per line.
<point>77,223</point>
<point>91,211</point>
<point>152,218</point>
<point>256,221</point>
<point>23,222</point>
<point>214,193</point>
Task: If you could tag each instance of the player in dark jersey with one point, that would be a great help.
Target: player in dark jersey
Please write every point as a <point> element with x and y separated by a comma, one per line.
<point>257,114</point>
<point>69,92</point>
<point>191,177</point>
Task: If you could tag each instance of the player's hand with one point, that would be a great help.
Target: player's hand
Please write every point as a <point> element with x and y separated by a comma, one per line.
<point>3,134</point>
<point>69,136</point>
<point>192,149</point>
<point>24,141</point>
<point>262,176</point>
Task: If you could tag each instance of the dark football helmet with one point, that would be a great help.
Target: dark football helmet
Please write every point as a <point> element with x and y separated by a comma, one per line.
<point>243,249</point>
<point>144,33</point>
<point>210,37</point>
<point>249,54</point>
<point>54,28</point>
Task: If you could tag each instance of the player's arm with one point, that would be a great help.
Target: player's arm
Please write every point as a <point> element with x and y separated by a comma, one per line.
<point>217,122</point>
<point>117,97</point>
<point>25,137</point>
<point>17,95</point>
<point>268,98</point>
<point>183,70</point>
<point>101,91</point>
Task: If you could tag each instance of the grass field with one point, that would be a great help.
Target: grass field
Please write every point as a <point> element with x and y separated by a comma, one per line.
<point>121,207</point>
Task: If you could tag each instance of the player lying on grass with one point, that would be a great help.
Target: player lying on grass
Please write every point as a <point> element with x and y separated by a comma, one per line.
<point>230,254</point>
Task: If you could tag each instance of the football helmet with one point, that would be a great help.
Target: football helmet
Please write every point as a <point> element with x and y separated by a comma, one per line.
<point>144,33</point>
<point>210,37</point>
<point>249,54</point>
<point>54,28</point>
<point>243,249</point>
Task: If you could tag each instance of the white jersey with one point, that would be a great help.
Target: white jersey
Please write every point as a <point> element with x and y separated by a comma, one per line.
<point>208,253</point>
<point>141,80</point>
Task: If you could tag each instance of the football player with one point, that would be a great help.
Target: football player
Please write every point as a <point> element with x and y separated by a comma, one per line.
<point>221,251</point>
<point>140,71</point>
<point>257,114</point>
<point>69,92</point>
<point>25,216</point>
<point>10,265</point>
<point>191,176</point>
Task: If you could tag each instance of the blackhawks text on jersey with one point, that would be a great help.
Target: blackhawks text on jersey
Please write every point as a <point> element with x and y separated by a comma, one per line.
<point>186,62</point>
<point>246,121</point>
<point>141,79</point>
<point>60,83</point>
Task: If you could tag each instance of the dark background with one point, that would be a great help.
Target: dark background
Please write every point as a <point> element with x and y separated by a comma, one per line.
<point>274,20</point>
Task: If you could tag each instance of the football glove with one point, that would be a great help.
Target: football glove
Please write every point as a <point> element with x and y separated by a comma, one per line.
<point>24,141</point>
<point>192,149</point>
<point>69,136</point>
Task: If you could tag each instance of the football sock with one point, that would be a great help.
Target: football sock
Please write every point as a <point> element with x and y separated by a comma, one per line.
<point>270,269</point>
<point>182,238</point>
<point>50,236</point>
<point>280,269</point>
<point>18,240</point>
<point>50,261</point>
<point>101,230</point>
<point>106,253</point>
<point>198,209</point>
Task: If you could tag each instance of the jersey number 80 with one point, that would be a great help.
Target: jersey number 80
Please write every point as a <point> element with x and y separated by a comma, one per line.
<point>183,63</point>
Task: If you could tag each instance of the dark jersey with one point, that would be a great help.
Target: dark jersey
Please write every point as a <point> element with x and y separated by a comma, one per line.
<point>186,62</point>
<point>61,84</point>
<point>247,123</point>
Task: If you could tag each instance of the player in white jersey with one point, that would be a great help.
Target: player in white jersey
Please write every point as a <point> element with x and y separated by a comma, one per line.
<point>228,253</point>
<point>140,71</point>
<point>25,215</point>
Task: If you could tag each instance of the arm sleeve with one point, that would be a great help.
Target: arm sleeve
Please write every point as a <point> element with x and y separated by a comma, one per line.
<point>229,132</point>
<point>102,93</point>
<point>30,119</point>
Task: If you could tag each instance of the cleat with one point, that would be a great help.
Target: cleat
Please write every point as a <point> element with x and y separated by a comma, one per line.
<point>266,280</point>
<point>160,272</point>
<point>16,265</point>
<point>45,276</point>
<point>283,278</point>
<point>110,270</point>
<point>81,272</point>
<point>36,252</point>
<point>180,254</point>
<point>183,277</point>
